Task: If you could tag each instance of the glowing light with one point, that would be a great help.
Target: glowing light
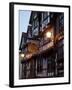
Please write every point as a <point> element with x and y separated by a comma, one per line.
<point>48,34</point>
<point>22,55</point>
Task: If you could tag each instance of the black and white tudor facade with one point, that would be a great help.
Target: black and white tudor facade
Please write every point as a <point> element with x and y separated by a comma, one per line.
<point>43,57</point>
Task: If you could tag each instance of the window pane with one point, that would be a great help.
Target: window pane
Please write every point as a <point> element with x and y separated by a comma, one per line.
<point>35,31</point>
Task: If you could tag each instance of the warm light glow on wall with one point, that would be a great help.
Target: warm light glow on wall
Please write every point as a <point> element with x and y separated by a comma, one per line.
<point>28,55</point>
<point>32,48</point>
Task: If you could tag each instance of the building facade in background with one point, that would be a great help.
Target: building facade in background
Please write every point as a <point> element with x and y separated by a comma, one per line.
<point>41,50</point>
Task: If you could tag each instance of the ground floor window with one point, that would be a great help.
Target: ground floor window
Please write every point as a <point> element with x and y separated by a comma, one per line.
<point>50,66</point>
<point>39,64</point>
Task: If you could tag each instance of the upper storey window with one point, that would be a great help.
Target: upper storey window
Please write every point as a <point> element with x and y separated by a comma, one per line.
<point>45,18</point>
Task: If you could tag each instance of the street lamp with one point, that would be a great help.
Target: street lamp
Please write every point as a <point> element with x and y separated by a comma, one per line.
<point>22,55</point>
<point>48,34</point>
